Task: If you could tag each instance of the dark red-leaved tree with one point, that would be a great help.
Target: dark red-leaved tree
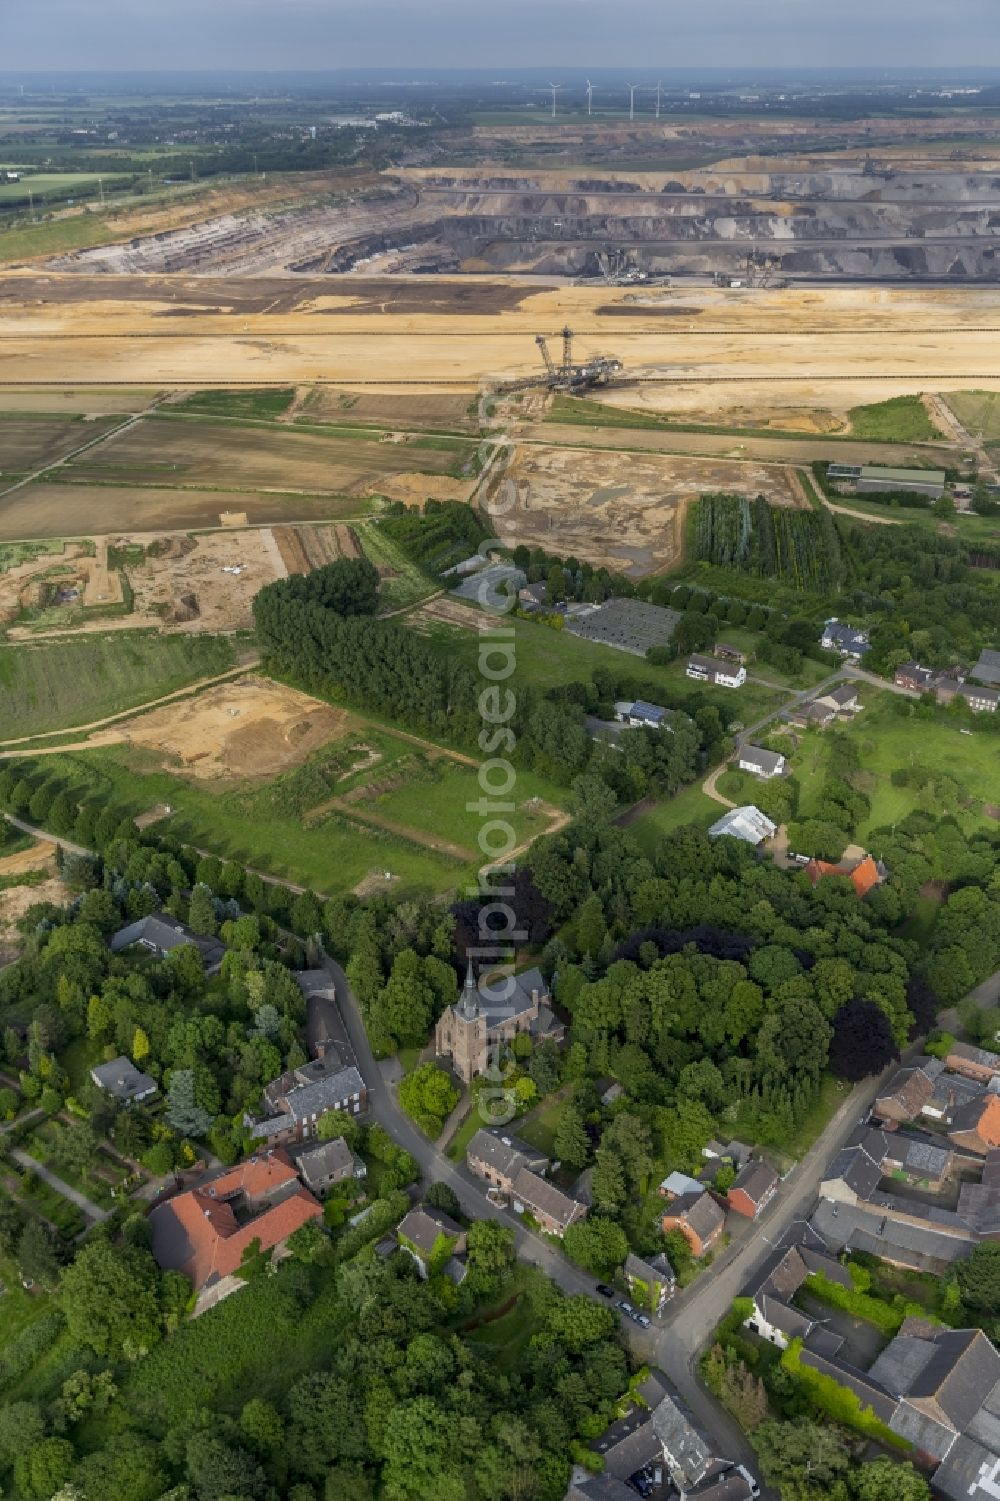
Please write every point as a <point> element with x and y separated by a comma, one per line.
<point>862,1041</point>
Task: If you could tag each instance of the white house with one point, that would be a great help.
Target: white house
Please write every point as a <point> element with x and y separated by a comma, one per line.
<point>763,763</point>
<point>714,670</point>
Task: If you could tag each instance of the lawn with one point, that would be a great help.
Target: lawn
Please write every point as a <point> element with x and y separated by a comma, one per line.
<point>548,658</point>
<point>59,684</point>
<point>539,1127</point>
<point>62,185</point>
<point>403,583</point>
<point>901,419</point>
<point>466,1131</point>
<point>502,1330</point>
<point>832,1094</point>
<point>889,740</point>
<point>689,806</point>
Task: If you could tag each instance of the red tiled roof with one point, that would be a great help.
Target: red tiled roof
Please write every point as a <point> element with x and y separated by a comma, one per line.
<point>197,1233</point>
<point>863,876</point>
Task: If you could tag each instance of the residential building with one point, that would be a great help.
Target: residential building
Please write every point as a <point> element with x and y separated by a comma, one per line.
<point>630,1447</point>
<point>921,1246</point>
<point>640,714</point>
<point>753,1189</point>
<point>716,670</point>
<point>911,675</point>
<point>121,1079</point>
<point>921,1159</point>
<point>773,1316</point>
<point>489,1014</point>
<point>295,1103</point>
<point>974,1063</point>
<point>763,763</point>
<point>430,1235</point>
<point>206,1232</point>
<point>852,1177</point>
<point>515,1170</point>
<point>324,1166</point>
<point>842,700</point>
<point>987,669</point>
<point>976,1125</point>
<point>908,1091</point>
<point>980,700</point>
<point>947,688</point>
<point>699,1218</point>
<point>160,934</point>
<point>747,823</point>
<point>534,596</point>
<point>848,640</point>
<point>812,713</point>
<point>651,1281</point>
<point>864,874</point>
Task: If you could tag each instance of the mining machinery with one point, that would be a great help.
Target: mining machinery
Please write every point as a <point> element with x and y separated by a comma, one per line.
<point>569,374</point>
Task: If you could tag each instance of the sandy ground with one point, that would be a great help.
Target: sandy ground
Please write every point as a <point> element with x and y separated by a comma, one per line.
<point>446,611</point>
<point>623,511</point>
<point>248,729</point>
<point>882,341</point>
<point>15,901</point>
<point>184,585</point>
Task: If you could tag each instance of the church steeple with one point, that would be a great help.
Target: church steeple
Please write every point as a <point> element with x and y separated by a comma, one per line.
<point>468,1004</point>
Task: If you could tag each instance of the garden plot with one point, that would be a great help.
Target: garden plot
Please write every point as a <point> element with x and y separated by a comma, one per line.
<point>624,511</point>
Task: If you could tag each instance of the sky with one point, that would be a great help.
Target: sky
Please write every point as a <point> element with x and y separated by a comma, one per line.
<point>317,34</point>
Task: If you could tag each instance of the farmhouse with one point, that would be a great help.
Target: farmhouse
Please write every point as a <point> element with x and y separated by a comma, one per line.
<point>515,1170</point>
<point>489,1014</point>
<point>123,1080</point>
<point>763,763</point>
<point>715,670</point>
<point>777,1282</point>
<point>301,1096</point>
<point>205,1232</point>
<point>848,640</point>
<point>747,823</point>
<point>160,934</point>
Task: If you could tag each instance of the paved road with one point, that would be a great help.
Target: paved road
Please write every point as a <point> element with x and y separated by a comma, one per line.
<point>694,1313</point>
<point>92,1211</point>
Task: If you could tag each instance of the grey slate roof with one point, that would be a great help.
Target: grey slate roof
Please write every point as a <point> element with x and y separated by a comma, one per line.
<point>333,1158</point>
<point>701,1212</point>
<point>538,1193</point>
<point>687,1455</point>
<point>859,1228</point>
<point>968,1473</point>
<point>987,669</point>
<point>164,933</point>
<point>422,1226</point>
<point>757,1180</point>
<point>122,1079</point>
<point>658,1270</point>
<point>784,1317</point>
<point>312,1099</point>
<point>981,1057</point>
<point>600,1488</point>
<point>856,1170</point>
<point>964,1366</point>
<point>503,1153</point>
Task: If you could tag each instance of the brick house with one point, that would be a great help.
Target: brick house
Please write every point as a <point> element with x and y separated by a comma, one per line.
<point>295,1102</point>
<point>908,1091</point>
<point>699,1218</point>
<point>753,1189</point>
<point>514,1169</point>
<point>976,1125</point>
<point>206,1231</point>
<point>324,1166</point>
<point>911,675</point>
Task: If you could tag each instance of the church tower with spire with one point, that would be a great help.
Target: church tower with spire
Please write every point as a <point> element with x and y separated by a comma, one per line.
<point>461,1032</point>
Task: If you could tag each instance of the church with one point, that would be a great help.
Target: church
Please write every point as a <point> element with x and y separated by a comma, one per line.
<point>478,1023</point>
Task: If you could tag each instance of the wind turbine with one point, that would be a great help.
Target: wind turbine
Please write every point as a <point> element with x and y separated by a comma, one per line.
<point>631,99</point>
<point>555,87</point>
<point>659,87</point>
<point>590,97</point>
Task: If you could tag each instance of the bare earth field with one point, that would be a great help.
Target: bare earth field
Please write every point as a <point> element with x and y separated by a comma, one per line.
<point>184,583</point>
<point>810,343</point>
<point>53,510</point>
<point>624,511</point>
<point>251,728</point>
<point>15,900</point>
<point>26,442</point>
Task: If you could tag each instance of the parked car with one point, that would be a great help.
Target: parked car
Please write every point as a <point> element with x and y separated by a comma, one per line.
<point>643,1319</point>
<point>625,1307</point>
<point>605,1291</point>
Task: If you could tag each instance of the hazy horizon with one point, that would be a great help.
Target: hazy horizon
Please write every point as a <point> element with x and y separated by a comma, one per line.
<point>314,35</point>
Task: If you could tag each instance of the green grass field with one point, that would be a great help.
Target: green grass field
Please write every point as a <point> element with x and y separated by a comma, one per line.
<point>690,806</point>
<point>54,237</point>
<point>58,684</point>
<point>888,742</point>
<point>977,411</point>
<point>286,827</point>
<point>901,419</point>
<point>547,658</point>
<point>266,405</point>
<point>57,185</point>
<point>403,583</point>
